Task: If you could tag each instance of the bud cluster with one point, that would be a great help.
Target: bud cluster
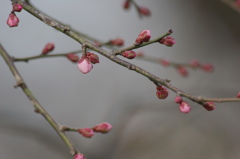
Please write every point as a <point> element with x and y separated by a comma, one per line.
<point>184,107</point>
<point>13,20</point>
<point>86,61</point>
<point>144,36</point>
<point>101,128</point>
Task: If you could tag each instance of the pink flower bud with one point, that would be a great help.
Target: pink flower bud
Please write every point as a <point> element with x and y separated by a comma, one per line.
<point>169,41</point>
<point>144,11</point>
<point>79,156</point>
<point>184,107</point>
<point>97,43</point>
<point>12,20</point>
<point>103,127</point>
<point>209,106</point>
<point>86,132</point>
<point>162,92</point>
<point>164,62</point>
<point>72,57</point>
<point>208,68</point>
<point>238,95</point>
<point>48,48</point>
<point>126,4</point>
<point>117,42</point>
<point>93,58</point>
<point>182,71</point>
<point>144,36</point>
<point>195,63</point>
<point>178,99</point>
<point>84,65</point>
<point>17,7</point>
<point>129,54</point>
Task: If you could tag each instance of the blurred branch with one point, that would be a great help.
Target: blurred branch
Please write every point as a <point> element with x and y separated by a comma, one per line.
<point>38,108</point>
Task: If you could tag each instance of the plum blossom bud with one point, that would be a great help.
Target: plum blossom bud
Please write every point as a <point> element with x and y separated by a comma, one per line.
<point>208,68</point>
<point>182,71</point>
<point>48,48</point>
<point>144,36</point>
<point>238,95</point>
<point>209,106</point>
<point>79,156</point>
<point>84,65</point>
<point>17,7</point>
<point>86,132</point>
<point>237,2</point>
<point>194,63</point>
<point>164,62</point>
<point>129,54</point>
<point>126,4</point>
<point>184,107</point>
<point>12,20</point>
<point>93,58</point>
<point>72,57</point>
<point>117,42</point>
<point>103,127</point>
<point>162,92</point>
<point>144,11</point>
<point>168,41</point>
<point>178,99</point>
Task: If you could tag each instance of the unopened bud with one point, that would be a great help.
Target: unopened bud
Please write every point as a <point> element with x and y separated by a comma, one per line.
<point>117,42</point>
<point>184,107</point>
<point>84,65</point>
<point>195,63</point>
<point>93,58</point>
<point>129,54</point>
<point>208,68</point>
<point>126,4</point>
<point>79,156</point>
<point>209,106</point>
<point>182,71</point>
<point>12,20</point>
<point>164,62</point>
<point>144,11</point>
<point>162,92</point>
<point>103,127</point>
<point>86,132</point>
<point>168,41</point>
<point>72,57</point>
<point>178,99</point>
<point>48,48</point>
<point>17,7</point>
<point>144,36</point>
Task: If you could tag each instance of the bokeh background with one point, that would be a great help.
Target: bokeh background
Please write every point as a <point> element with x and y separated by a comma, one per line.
<point>144,127</point>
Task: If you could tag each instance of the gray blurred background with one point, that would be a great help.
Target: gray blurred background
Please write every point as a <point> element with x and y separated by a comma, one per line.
<point>144,127</point>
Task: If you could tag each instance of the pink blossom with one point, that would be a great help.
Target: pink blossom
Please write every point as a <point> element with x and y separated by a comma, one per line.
<point>84,65</point>
<point>182,70</point>
<point>208,67</point>
<point>184,107</point>
<point>126,4</point>
<point>12,20</point>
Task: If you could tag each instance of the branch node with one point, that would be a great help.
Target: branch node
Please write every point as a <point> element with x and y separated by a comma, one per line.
<point>19,84</point>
